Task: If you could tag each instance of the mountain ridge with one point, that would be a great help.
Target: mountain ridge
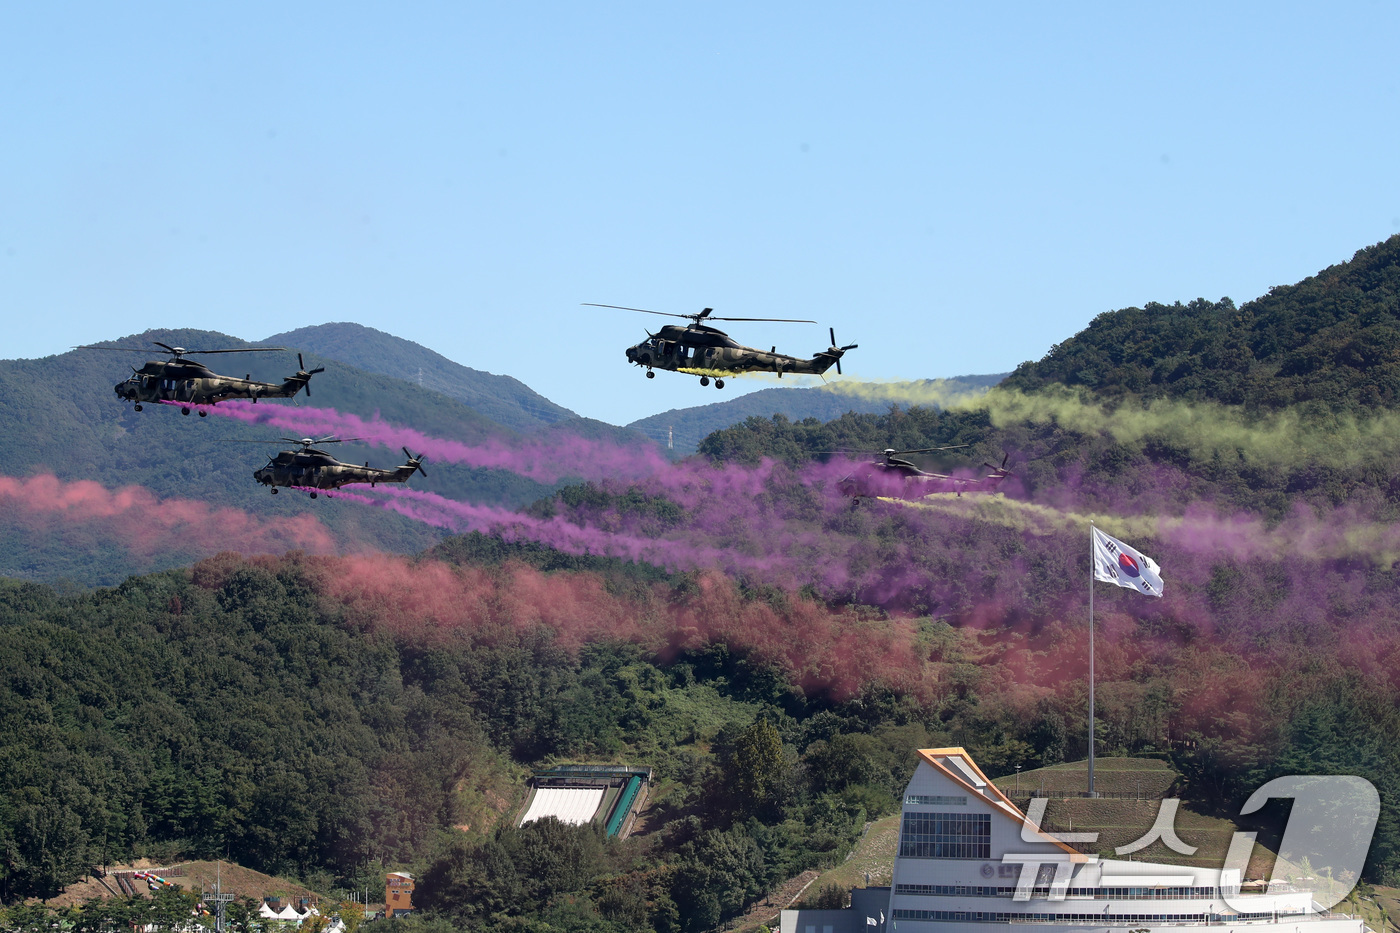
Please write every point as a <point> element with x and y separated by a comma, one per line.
<point>686,428</point>
<point>61,417</point>
<point>1330,343</point>
<point>504,399</point>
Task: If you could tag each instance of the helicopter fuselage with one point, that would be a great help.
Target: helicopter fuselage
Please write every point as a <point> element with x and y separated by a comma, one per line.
<point>706,351</point>
<point>188,383</point>
<point>316,469</point>
<point>900,479</point>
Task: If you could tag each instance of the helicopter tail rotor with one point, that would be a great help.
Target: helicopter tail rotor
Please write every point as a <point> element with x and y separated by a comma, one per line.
<point>1000,471</point>
<point>416,461</point>
<point>835,351</point>
<point>304,376</point>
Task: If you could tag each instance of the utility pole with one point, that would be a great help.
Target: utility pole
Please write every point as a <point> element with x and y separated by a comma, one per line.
<point>218,900</point>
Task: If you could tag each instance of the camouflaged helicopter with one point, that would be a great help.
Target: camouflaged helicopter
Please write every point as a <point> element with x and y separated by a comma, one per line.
<point>896,478</point>
<point>312,469</point>
<point>185,382</point>
<point>700,350</point>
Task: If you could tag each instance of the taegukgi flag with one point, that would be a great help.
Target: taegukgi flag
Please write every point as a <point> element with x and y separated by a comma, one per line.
<point>1116,562</point>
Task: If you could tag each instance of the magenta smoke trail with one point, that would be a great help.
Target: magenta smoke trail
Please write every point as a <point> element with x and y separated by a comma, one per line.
<point>556,532</point>
<point>689,482</point>
<point>545,462</point>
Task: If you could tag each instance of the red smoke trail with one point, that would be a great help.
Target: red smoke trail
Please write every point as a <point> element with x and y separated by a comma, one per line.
<point>146,524</point>
<point>822,650</point>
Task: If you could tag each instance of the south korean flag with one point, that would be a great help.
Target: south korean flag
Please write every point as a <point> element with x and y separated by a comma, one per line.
<point>1116,562</point>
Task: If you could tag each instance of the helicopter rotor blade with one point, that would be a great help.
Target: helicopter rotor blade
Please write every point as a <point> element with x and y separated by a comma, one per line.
<point>703,315</point>
<point>591,304</point>
<point>239,350</point>
<point>122,349</point>
<point>780,320</point>
<point>929,450</point>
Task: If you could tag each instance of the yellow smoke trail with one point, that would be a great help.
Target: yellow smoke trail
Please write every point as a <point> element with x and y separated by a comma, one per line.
<point>1338,537</point>
<point>1029,517</point>
<point>943,393</point>
<point>1204,429</point>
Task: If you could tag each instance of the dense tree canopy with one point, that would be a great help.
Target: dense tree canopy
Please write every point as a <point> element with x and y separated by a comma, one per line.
<point>1329,343</point>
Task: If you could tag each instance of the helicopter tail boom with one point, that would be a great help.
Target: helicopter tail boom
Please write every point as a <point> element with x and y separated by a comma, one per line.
<point>302,380</point>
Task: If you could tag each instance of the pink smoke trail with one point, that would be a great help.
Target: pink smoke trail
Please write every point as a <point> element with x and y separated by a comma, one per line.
<point>546,462</point>
<point>146,523</point>
<point>556,532</point>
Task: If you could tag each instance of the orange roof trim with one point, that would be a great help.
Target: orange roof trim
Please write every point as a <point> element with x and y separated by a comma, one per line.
<point>938,758</point>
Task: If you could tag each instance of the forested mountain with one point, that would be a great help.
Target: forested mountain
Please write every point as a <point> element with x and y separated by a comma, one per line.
<point>325,716</point>
<point>1329,343</point>
<point>687,427</point>
<point>774,651</point>
<point>503,399</point>
<point>268,711</point>
<point>1284,402</point>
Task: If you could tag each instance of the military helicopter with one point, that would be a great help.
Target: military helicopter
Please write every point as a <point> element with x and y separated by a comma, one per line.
<point>894,477</point>
<point>308,467</point>
<point>705,351</point>
<point>187,382</point>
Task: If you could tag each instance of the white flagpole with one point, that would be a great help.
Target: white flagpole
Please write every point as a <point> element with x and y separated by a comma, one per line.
<point>1092,557</point>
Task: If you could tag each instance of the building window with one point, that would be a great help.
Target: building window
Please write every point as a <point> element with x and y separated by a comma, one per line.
<point>919,800</point>
<point>946,835</point>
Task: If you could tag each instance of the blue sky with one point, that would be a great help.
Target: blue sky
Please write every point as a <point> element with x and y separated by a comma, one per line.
<point>954,187</point>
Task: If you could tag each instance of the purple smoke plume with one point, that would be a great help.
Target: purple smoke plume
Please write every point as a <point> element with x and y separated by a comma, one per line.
<point>569,456</point>
<point>789,527</point>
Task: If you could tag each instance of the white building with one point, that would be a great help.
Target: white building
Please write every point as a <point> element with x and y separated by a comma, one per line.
<point>969,862</point>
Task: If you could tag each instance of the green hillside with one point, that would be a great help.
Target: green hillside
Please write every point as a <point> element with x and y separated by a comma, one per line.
<point>1289,400</point>
<point>503,399</point>
<point>1330,343</point>
<point>255,710</point>
<point>689,426</point>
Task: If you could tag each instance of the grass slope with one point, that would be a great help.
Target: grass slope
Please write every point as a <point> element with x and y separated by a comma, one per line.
<point>197,876</point>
